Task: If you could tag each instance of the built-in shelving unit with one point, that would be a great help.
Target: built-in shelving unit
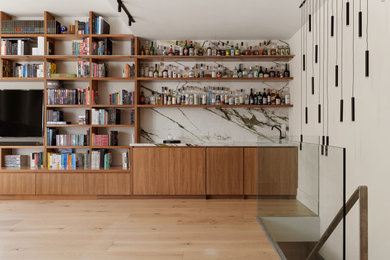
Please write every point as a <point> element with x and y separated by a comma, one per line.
<point>94,84</point>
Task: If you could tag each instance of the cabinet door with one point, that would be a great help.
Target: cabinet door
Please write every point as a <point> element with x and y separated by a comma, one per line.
<point>118,184</point>
<point>251,158</point>
<point>224,171</point>
<point>60,184</point>
<point>150,171</point>
<point>17,184</point>
<point>94,184</point>
<point>187,171</point>
<point>278,171</point>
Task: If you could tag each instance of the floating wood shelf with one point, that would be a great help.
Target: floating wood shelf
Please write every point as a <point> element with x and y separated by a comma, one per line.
<point>218,58</point>
<point>218,79</point>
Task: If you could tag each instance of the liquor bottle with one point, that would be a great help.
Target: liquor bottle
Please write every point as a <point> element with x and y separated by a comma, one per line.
<point>219,71</point>
<point>152,99</point>
<point>266,74</point>
<point>242,50</point>
<point>265,99</point>
<point>256,72</point>
<point>244,73</point>
<point>277,100</point>
<point>165,73</point>
<point>171,53</point>
<point>155,72</point>
<point>251,98</point>
<point>255,98</point>
<point>214,50</point>
<point>201,73</point>
<point>231,98</point>
<point>209,51</point>
<point>227,50</point>
<point>261,73</point>
<point>232,50</point>
<point>250,72</point>
<point>286,73</point>
<point>191,50</point>
<point>259,98</point>
<point>260,49</point>
<point>186,50</point>
<point>236,98</point>
<point>196,49</point>
<point>142,50</point>
<point>223,50</point>
<point>142,98</point>
<point>152,49</point>
<point>160,71</point>
<point>150,72</point>
<point>269,97</point>
<point>147,50</point>
<point>237,51</point>
<point>273,97</point>
<point>239,72</point>
<point>176,50</point>
<point>242,97</point>
<point>272,73</point>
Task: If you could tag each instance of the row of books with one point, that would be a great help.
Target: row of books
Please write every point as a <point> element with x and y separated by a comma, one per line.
<point>55,139</point>
<point>122,97</point>
<point>128,71</point>
<point>22,26</point>
<point>111,139</point>
<point>54,116</point>
<point>12,46</point>
<point>80,47</point>
<point>69,96</point>
<point>53,27</point>
<point>15,161</point>
<point>82,69</point>
<point>26,70</point>
<point>51,68</point>
<point>37,160</point>
<point>68,161</point>
<point>103,47</point>
<point>81,27</point>
<point>101,159</point>
<point>100,26</point>
<point>109,116</point>
<point>99,70</point>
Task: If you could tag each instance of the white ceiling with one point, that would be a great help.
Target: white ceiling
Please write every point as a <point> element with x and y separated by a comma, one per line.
<point>182,19</point>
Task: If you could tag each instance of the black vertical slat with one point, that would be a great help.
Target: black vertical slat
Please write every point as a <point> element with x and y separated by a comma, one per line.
<point>319,113</point>
<point>337,76</point>
<point>341,110</point>
<point>332,25</point>
<point>353,108</point>
<point>309,22</point>
<point>360,24</point>
<point>304,62</point>
<point>347,13</point>
<point>327,140</point>
<point>316,49</point>
<point>306,115</point>
<point>367,63</point>
<point>300,144</point>
<point>312,85</point>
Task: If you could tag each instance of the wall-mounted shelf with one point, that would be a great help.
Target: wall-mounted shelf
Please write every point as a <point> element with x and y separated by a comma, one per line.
<point>218,79</point>
<point>247,58</point>
<point>216,106</point>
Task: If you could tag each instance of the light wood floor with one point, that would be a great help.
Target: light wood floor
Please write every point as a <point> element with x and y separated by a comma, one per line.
<point>132,229</point>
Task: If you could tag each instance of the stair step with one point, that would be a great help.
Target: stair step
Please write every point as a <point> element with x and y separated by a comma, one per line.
<point>298,250</point>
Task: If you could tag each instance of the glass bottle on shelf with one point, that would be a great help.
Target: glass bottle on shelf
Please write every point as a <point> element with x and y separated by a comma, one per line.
<point>160,71</point>
<point>150,72</point>
<point>261,73</point>
<point>250,72</point>
<point>209,50</point>
<point>191,50</point>
<point>155,72</point>
<point>214,50</point>
<point>242,50</point>
<point>227,50</point>
<point>142,98</point>
<point>251,98</point>
<point>260,49</point>
<point>142,51</point>
<point>219,71</point>
<point>147,50</point>
<point>273,97</point>
<point>269,97</point>
<point>223,50</point>
<point>236,98</point>
<point>272,73</point>
<point>201,72</point>
<point>171,53</point>
<point>256,72</point>
<point>259,99</point>
<point>232,50</point>
<point>204,96</point>
<point>191,73</point>
<point>235,72</point>
<point>265,99</point>
<point>174,98</point>
<point>152,99</point>
<point>152,49</point>
<point>165,73</point>
<point>286,73</point>
<point>239,71</point>
<point>277,99</point>
<point>255,98</point>
<point>244,73</point>
<point>242,97</point>
<point>266,74</point>
<point>237,51</point>
<point>213,72</point>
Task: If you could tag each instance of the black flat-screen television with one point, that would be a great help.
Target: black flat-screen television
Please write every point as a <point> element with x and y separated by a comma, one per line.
<point>21,113</point>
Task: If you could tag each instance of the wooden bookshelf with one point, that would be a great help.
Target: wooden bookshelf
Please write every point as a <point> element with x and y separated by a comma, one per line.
<point>94,84</point>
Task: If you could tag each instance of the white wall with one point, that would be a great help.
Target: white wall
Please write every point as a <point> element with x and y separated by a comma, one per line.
<point>367,140</point>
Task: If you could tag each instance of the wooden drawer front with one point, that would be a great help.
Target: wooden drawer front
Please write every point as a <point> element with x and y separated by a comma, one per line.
<point>225,171</point>
<point>187,171</point>
<point>251,170</point>
<point>150,171</point>
<point>17,184</point>
<point>60,184</point>
<point>278,171</point>
<point>118,184</point>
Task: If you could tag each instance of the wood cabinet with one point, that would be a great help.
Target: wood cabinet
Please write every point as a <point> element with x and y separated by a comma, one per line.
<point>59,184</point>
<point>251,170</point>
<point>150,166</point>
<point>224,171</point>
<point>169,171</point>
<point>278,171</point>
<point>187,171</point>
<point>107,184</point>
<point>17,184</point>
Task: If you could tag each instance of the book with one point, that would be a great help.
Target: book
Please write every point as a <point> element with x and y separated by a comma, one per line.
<point>63,75</point>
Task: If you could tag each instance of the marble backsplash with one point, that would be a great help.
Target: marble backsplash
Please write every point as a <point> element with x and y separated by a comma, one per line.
<point>195,125</point>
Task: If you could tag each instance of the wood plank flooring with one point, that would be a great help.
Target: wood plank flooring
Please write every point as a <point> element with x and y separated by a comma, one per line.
<point>132,230</point>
